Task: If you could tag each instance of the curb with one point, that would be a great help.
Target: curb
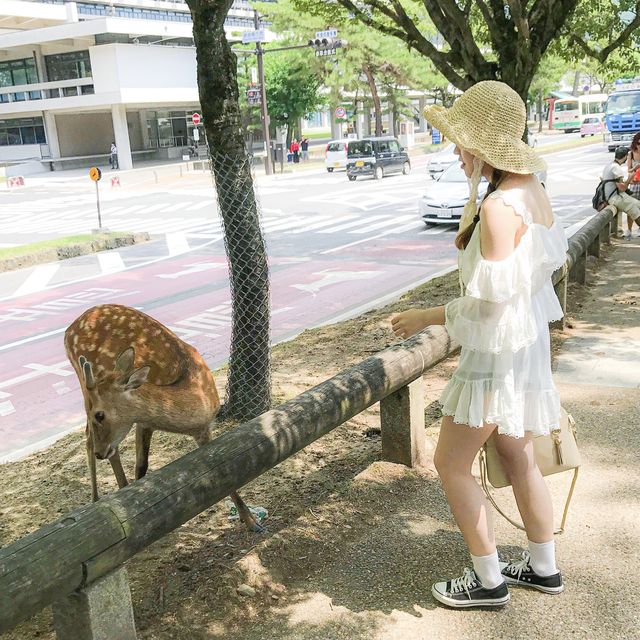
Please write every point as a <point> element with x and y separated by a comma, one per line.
<point>72,251</point>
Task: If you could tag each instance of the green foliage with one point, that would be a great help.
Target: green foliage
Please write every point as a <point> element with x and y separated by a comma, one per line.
<point>293,89</point>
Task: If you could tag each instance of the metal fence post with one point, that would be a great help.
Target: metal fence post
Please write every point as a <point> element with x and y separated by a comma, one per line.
<point>100,611</point>
<point>403,426</point>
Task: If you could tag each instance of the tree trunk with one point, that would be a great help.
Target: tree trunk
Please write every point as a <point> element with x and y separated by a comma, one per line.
<point>377,107</point>
<point>248,389</point>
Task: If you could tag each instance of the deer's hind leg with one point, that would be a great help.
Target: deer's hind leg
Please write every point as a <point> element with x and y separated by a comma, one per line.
<point>243,511</point>
<point>143,444</point>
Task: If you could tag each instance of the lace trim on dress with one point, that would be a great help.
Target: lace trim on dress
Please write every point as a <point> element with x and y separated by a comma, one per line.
<point>479,402</point>
<point>510,199</point>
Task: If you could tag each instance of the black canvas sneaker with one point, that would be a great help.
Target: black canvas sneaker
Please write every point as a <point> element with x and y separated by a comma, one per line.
<point>467,591</point>
<point>521,574</point>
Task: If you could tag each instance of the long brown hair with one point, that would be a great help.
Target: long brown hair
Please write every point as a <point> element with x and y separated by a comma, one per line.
<point>635,143</point>
<point>497,176</point>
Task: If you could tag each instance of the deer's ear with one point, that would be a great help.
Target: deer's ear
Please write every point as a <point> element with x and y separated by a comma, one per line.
<point>124,362</point>
<point>137,378</point>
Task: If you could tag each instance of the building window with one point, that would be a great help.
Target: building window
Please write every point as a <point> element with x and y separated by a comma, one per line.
<point>22,131</point>
<point>68,66</point>
<point>17,72</point>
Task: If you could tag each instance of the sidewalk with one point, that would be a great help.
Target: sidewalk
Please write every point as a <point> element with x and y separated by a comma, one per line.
<point>370,577</point>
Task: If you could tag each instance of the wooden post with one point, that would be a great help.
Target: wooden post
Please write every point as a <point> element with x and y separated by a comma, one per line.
<point>594,247</point>
<point>403,426</point>
<point>578,272</point>
<point>604,236</point>
<point>101,611</point>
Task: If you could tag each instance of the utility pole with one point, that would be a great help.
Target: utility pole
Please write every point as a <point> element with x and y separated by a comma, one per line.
<point>268,166</point>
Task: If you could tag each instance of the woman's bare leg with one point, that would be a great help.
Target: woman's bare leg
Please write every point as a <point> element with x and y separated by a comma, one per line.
<point>529,488</point>
<point>457,448</point>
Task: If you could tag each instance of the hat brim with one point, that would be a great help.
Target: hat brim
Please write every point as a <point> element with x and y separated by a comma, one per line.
<point>506,154</point>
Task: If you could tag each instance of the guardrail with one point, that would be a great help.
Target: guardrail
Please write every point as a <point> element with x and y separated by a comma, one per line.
<point>75,563</point>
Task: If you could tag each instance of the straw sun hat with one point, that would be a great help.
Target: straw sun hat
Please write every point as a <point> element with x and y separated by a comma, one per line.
<point>488,120</point>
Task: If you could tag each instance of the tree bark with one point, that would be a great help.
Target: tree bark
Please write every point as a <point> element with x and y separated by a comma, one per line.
<point>248,391</point>
<point>377,107</point>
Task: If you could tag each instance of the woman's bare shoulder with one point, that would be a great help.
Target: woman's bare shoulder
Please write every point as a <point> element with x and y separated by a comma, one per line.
<point>499,225</point>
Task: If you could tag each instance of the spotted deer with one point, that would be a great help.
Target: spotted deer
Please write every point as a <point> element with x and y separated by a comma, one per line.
<point>133,371</point>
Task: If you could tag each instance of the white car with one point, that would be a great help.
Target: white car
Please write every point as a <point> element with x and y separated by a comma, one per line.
<point>336,155</point>
<point>449,192</point>
<point>446,196</point>
<point>440,160</point>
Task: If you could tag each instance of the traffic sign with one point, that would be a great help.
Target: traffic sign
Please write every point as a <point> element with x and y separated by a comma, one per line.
<point>329,33</point>
<point>195,118</point>
<point>95,174</point>
<point>253,36</point>
<point>341,112</point>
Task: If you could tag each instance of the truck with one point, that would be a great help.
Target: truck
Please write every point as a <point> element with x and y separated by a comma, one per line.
<point>622,118</point>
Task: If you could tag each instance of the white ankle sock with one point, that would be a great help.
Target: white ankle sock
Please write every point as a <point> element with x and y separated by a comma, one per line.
<point>487,569</point>
<point>543,557</point>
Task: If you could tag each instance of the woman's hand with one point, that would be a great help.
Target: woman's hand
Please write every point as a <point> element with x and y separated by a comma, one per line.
<point>410,322</point>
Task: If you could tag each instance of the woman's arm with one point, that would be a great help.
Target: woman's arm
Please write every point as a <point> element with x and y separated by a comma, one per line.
<point>410,322</point>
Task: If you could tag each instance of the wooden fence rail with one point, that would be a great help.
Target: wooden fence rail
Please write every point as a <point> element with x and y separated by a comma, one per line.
<point>75,563</point>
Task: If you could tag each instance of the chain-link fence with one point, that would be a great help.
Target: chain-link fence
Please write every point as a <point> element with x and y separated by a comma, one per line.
<point>249,382</point>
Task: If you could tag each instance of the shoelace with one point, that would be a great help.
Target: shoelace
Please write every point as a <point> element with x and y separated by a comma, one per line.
<point>516,568</point>
<point>465,582</point>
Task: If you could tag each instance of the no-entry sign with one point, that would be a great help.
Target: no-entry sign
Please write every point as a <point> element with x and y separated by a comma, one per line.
<point>195,118</point>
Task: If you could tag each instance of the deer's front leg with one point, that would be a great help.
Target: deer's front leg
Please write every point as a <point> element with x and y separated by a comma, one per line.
<point>143,443</point>
<point>245,515</point>
<point>118,471</point>
<point>91,463</point>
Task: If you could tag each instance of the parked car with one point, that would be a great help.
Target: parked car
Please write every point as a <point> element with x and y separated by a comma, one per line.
<point>440,160</point>
<point>448,193</point>
<point>376,157</point>
<point>335,156</point>
<point>446,196</point>
<point>591,126</point>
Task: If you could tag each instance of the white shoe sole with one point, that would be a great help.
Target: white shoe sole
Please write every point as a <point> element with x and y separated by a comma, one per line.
<point>457,604</point>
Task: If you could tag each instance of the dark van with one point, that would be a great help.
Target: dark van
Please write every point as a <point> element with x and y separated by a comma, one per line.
<point>376,157</point>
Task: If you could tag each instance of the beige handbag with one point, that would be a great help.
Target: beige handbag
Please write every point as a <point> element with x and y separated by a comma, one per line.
<point>553,453</point>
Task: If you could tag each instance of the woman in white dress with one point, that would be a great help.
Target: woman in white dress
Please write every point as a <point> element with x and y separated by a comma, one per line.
<point>503,382</point>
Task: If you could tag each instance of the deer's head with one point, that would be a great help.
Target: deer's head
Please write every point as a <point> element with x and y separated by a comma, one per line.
<point>112,402</point>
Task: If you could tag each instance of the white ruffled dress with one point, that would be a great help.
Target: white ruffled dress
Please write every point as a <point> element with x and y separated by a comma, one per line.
<point>502,323</point>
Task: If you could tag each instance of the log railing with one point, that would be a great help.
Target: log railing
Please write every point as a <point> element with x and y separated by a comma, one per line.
<point>75,563</point>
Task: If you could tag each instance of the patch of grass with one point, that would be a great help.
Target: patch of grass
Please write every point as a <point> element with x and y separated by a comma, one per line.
<point>57,243</point>
<point>569,144</point>
<point>317,135</point>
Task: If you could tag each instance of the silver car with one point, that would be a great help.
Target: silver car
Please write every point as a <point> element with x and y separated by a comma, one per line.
<point>446,196</point>
<point>440,160</point>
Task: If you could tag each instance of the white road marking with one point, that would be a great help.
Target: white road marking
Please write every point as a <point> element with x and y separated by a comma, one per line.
<point>38,279</point>
<point>385,223</point>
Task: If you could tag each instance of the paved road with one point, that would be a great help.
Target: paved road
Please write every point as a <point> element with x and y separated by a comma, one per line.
<point>326,238</point>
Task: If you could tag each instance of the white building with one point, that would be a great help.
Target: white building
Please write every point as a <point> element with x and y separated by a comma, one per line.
<point>77,76</point>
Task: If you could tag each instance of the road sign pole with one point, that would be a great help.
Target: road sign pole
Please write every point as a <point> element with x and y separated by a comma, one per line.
<point>268,167</point>
<point>98,205</point>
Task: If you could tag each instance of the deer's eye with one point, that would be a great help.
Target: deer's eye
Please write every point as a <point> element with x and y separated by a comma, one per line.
<point>99,416</point>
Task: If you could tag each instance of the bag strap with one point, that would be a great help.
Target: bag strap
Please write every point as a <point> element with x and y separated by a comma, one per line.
<point>485,487</point>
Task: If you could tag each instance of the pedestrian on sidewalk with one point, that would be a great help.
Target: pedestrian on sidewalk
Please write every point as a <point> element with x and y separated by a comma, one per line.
<point>113,156</point>
<point>616,192</point>
<point>503,384</point>
<point>304,148</point>
<point>295,150</point>
<point>633,166</point>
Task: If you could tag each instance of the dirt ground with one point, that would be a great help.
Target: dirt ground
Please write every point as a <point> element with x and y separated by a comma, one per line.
<point>185,586</point>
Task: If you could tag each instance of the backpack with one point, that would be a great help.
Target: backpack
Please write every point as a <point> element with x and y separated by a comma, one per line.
<point>599,201</point>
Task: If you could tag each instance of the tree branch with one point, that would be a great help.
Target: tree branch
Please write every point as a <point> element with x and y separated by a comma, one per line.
<point>519,18</point>
<point>441,60</point>
<point>497,35</point>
